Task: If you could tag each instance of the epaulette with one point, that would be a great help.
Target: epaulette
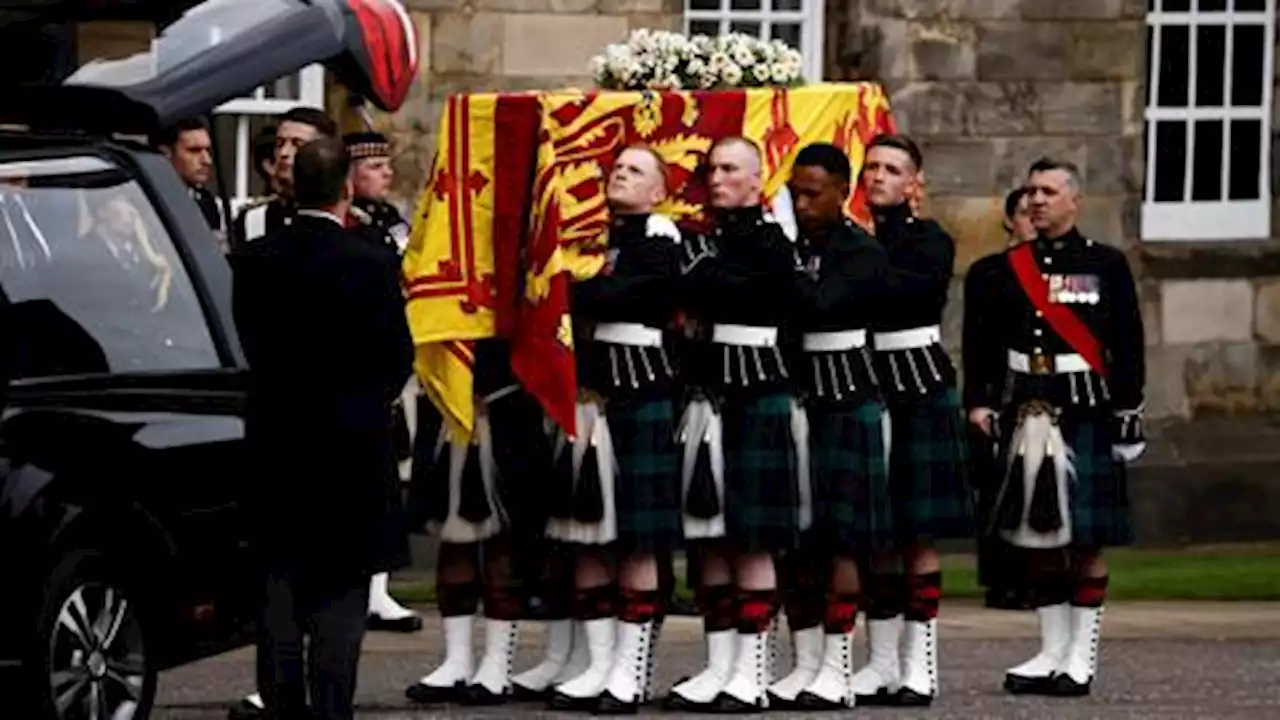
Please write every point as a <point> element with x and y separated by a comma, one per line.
<point>662,226</point>
<point>361,216</point>
<point>259,202</point>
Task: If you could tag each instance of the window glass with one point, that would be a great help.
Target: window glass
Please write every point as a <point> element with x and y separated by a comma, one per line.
<point>95,281</point>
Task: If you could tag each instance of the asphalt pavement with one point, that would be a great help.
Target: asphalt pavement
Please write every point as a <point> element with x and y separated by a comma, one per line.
<point>1165,661</point>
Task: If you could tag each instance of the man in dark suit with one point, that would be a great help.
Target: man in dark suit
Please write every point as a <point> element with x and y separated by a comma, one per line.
<point>321,317</point>
<point>189,147</point>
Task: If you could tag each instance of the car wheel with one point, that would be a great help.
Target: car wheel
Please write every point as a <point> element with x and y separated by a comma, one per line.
<point>91,644</point>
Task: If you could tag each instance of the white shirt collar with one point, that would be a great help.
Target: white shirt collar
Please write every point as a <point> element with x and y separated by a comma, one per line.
<point>322,214</point>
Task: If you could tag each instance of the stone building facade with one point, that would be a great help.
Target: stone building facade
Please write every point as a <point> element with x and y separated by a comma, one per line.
<point>986,86</point>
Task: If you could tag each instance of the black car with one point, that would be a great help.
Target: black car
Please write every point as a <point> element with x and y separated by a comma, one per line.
<point>122,467</point>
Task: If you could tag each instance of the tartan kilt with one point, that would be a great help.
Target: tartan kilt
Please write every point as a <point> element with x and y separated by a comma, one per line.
<point>1099,497</point>
<point>760,477</point>
<point>928,468</point>
<point>647,480</point>
<point>853,507</point>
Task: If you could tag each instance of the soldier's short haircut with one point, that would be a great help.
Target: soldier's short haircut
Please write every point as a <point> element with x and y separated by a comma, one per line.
<point>168,136</point>
<point>901,142</point>
<point>828,157</point>
<point>320,173</point>
<point>663,170</point>
<point>1046,164</point>
<point>313,117</point>
<point>1011,201</point>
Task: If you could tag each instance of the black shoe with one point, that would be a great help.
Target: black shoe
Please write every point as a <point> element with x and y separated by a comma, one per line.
<point>245,710</point>
<point>910,698</point>
<point>815,703</point>
<point>520,693</point>
<point>560,702</point>
<point>1063,686</point>
<point>610,705</point>
<point>481,696</point>
<point>408,624</point>
<point>779,703</point>
<point>1021,685</point>
<point>882,698</point>
<point>680,703</point>
<point>726,704</point>
<point>436,695</point>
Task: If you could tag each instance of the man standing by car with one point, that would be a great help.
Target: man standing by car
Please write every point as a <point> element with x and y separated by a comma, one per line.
<point>297,127</point>
<point>189,148</point>
<point>319,428</point>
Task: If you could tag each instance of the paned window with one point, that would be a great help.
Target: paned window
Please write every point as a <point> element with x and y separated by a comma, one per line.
<point>796,22</point>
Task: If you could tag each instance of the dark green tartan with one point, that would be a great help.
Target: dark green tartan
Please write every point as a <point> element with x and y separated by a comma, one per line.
<point>853,507</point>
<point>761,495</point>
<point>647,482</point>
<point>1099,502</point>
<point>928,468</point>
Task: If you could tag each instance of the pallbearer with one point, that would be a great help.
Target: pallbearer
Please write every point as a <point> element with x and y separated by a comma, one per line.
<point>475,501</point>
<point>1054,366</point>
<point>616,491</point>
<point>741,459</point>
<point>928,458</point>
<point>840,291</point>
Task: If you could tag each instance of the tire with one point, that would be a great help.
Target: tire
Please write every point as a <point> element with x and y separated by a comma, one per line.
<point>89,656</point>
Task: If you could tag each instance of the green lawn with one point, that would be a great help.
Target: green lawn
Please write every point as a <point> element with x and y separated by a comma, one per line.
<point>1227,572</point>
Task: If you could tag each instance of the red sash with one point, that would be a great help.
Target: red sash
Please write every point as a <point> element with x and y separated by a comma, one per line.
<point>1064,322</point>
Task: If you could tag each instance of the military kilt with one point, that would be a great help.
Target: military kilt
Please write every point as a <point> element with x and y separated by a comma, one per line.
<point>1099,492</point>
<point>853,507</point>
<point>761,491</point>
<point>637,459</point>
<point>928,467</point>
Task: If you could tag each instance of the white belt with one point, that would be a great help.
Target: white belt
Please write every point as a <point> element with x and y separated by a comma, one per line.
<point>748,335</point>
<point>907,339</point>
<point>1047,364</point>
<point>836,341</point>
<point>620,333</point>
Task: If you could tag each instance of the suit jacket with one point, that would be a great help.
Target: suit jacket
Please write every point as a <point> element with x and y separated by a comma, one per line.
<point>321,318</point>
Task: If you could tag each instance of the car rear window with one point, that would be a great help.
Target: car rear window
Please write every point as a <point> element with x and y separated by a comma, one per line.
<point>95,281</point>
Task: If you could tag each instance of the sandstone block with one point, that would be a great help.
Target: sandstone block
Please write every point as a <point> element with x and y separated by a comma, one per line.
<point>1134,95</point>
<point>1074,10</point>
<point>464,42</point>
<point>1015,155</point>
<point>957,9</point>
<point>1269,377</point>
<point>654,21</point>
<point>112,39</point>
<point>974,223</point>
<point>953,322</point>
<point>1081,108</point>
<point>1114,50</point>
<point>944,51</point>
<point>1021,51</point>
<point>958,168</point>
<point>623,7</point>
<point>1114,164</point>
<point>959,109</point>
<point>1149,295</point>
<point>1102,218</point>
<point>883,49</point>
<point>1222,377</point>
<point>434,4</point>
<point>1199,311</point>
<point>1166,390</point>
<point>1267,311</point>
<point>537,6</point>
<point>556,45</point>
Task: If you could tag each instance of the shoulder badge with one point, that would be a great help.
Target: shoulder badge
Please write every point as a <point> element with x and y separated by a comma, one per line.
<point>362,217</point>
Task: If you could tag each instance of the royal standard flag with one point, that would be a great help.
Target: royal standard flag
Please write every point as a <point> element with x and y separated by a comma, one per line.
<point>503,228</point>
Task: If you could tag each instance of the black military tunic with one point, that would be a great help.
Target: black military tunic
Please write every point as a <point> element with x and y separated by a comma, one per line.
<point>838,295</point>
<point>265,216</point>
<point>928,449</point>
<point>1013,357</point>
<point>385,219</point>
<point>740,288</point>
<point>621,316</point>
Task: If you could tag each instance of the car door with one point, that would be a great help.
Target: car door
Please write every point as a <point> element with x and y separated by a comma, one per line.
<point>127,381</point>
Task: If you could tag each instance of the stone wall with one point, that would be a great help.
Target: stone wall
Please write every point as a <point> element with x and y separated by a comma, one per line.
<point>490,45</point>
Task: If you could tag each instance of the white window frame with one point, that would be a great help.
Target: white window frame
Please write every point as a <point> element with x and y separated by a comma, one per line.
<point>808,17</point>
<point>310,94</point>
<point>1225,219</point>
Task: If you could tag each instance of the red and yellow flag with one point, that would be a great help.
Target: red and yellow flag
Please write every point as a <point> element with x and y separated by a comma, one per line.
<point>503,227</point>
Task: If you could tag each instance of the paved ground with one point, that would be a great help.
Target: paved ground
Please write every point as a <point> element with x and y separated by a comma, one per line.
<point>1162,661</point>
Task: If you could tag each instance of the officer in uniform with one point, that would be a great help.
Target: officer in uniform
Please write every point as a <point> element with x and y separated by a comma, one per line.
<point>741,457</point>
<point>928,445</point>
<point>1054,369</point>
<point>189,148</point>
<point>297,127</point>
<point>837,294</point>
<point>999,567</point>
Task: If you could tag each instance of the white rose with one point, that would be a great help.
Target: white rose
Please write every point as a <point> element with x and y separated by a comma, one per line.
<point>743,55</point>
<point>707,79</point>
<point>761,72</point>
<point>718,61</point>
<point>695,66</point>
<point>731,74</point>
<point>781,75</point>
